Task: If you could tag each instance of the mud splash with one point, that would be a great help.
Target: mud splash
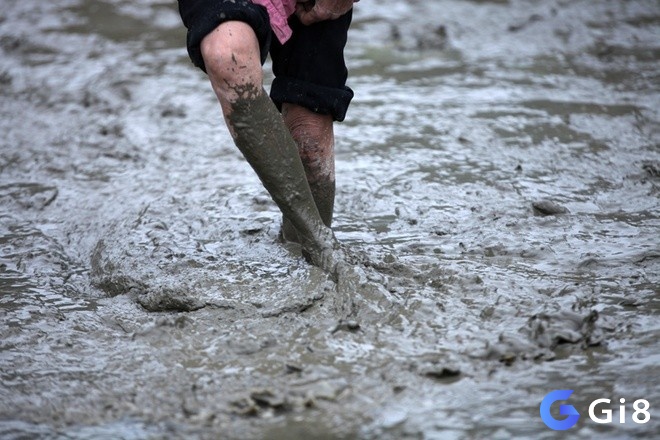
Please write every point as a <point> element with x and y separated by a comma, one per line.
<point>496,181</point>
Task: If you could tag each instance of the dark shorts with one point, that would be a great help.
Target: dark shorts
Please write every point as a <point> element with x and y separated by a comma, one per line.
<point>309,69</point>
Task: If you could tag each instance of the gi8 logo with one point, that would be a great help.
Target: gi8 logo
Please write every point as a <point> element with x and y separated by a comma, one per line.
<point>567,410</point>
<point>641,415</point>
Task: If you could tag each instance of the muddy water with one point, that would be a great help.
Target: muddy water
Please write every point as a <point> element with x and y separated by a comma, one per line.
<point>498,182</point>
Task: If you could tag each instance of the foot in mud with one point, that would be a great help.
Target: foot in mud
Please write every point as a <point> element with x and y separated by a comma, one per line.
<point>330,256</point>
<point>324,251</point>
<point>288,233</point>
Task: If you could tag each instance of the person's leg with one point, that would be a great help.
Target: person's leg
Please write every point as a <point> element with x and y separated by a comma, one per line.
<point>310,89</point>
<point>232,60</point>
<point>314,135</point>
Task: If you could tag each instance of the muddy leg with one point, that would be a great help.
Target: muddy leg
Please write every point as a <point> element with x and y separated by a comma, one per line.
<point>314,137</point>
<point>231,56</point>
<point>267,145</point>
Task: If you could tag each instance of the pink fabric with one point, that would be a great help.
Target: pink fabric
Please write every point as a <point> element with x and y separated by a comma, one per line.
<point>279,12</point>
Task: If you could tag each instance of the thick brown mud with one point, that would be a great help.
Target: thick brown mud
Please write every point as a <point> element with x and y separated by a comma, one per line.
<point>497,191</point>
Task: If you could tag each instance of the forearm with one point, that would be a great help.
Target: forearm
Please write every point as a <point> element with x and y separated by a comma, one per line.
<point>310,11</point>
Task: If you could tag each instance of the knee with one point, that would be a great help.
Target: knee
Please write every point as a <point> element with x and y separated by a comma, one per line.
<point>232,57</point>
<point>308,129</point>
<point>313,134</point>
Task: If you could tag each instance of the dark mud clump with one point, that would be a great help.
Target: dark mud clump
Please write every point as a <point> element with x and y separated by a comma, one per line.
<point>169,300</point>
<point>547,207</point>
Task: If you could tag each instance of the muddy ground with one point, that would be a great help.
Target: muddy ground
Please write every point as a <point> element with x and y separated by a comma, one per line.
<point>498,183</point>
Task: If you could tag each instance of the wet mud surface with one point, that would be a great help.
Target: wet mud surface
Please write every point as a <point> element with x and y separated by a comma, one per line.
<point>498,185</point>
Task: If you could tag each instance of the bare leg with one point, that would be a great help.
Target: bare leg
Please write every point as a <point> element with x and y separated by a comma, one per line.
<point>231,56</point>
<point>314,136</point>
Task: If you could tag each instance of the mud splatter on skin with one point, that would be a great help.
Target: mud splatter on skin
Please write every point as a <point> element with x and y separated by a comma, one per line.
<point>314,137</point>
<point>470,308</point>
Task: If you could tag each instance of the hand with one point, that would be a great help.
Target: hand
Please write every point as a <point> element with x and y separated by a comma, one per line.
<point>311,12</point>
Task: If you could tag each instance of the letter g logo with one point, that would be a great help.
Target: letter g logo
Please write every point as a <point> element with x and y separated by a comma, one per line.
<point>566,410</point>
